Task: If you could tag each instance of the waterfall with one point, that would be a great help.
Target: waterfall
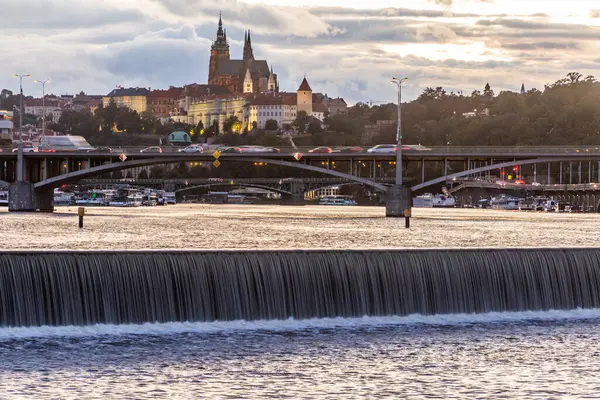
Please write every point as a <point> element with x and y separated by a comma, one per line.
<point>83,288</point>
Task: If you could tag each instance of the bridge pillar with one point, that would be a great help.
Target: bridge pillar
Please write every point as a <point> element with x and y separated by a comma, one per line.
<point>296,197</point>
<point>398,199</point>
<point>21,196</point>
<point>44,200</point>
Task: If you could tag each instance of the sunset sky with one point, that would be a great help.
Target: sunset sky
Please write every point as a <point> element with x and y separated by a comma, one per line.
<point>350,49</point>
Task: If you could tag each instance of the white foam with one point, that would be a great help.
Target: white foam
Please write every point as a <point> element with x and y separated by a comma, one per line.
<point>172,328</point>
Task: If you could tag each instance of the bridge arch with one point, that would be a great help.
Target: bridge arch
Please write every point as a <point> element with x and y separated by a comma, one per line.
<point>251,185</point>
<point>495,166</point>
<point>75,176</point>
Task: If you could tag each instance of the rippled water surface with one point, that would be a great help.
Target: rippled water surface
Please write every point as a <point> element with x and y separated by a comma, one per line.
<point>188,226</point>
<point>512,355</point>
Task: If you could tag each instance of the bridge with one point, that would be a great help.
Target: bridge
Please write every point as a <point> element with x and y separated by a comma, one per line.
<point>42,172</point>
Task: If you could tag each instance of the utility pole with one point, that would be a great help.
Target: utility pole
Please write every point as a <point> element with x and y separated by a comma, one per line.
<point>20,146</point>
<point>399,83</point>
<point>43,105</point>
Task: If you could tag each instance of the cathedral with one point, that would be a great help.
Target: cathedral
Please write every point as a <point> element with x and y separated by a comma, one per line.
<point>239,76</point>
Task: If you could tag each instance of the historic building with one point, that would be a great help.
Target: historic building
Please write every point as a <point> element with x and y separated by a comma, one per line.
<point>133,98</point>
<point>164,103</point>
<point>239,76</point>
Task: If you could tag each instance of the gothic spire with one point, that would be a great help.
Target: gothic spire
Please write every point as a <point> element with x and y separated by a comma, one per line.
<point>248,54</point>
<point>523,88</point>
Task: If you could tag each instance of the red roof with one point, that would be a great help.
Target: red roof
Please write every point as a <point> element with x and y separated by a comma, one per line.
<point>304,86</point>
<point>169,93</point>
<point>319,107</point>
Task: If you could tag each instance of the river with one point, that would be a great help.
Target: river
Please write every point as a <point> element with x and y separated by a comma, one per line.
<point>549,354</point>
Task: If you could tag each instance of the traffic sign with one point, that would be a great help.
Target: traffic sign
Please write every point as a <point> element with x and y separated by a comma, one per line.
<point>297,156</point>
<point>216,163</point>
<point>216,154</point>
<point>122,157</point>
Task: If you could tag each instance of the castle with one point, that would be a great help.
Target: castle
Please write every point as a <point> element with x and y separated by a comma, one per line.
<point>239,76</point>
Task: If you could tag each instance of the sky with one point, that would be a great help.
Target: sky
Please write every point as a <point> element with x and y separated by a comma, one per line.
<point>348,48</point>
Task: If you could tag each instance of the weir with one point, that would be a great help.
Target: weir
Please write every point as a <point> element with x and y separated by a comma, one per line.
<point>83,288</point>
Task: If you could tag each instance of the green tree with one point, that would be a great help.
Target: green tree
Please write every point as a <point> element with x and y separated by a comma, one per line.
<point>314,126</point>
<point>301,122</point>
<point>271,125</point>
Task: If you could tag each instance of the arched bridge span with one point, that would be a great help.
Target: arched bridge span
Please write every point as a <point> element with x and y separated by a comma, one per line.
<point>75,176</point>
<point>250,185</point>
<point>486,168</point>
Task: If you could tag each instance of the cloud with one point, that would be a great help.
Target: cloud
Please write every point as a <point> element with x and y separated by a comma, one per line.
<point>93,46</point>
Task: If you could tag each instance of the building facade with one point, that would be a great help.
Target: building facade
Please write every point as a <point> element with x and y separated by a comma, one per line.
<point>164,103</point>
<point>247,75</point>
<point>212,110</point>
<point>133,98</point>
<point>38,107</point>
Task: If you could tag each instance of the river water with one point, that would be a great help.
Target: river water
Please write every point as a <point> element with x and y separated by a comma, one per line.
<point>499,355</point>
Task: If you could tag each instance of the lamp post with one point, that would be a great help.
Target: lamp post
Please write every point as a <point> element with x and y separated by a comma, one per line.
<point>20,146</point>
<point>43,104</point>
<point>399,83</point>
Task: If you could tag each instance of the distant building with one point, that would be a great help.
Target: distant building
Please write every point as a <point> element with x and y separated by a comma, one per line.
<point>239,76</point>
<point>6,124</point>
<point>164,103</point>
<point>216,109</point>
<point>335,106</point>
<point>38,107</point>
<point>133,98</point>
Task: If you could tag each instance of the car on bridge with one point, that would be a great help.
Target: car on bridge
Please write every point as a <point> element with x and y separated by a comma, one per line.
<point>258,149</point>
<point>348,149</point>
<point>102,149</point>
<point>28,147</point>
<point>192,148</point>
<point>322,149</point>
<point>229,149</point>
<point>384,148</point>
<point>152,149</point>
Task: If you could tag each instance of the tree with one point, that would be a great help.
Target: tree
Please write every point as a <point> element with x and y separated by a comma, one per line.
<point>232,125</point>
<point>487,91</point>
<point>271,125</point>
<point>301,122</point>
<point>314,126</point>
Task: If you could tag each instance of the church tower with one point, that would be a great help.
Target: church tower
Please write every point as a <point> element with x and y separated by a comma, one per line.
<point>218,51</point>
<point>272,83</point>
<point>304,98</point>
<point>248,53</point>
<point>248,84</point>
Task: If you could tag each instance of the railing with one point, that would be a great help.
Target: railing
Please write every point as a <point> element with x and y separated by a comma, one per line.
<point>236,181</point>
<point>530,187</point>
<point>449,150</point>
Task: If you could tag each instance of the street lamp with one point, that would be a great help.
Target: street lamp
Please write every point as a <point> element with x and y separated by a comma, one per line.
<point>43,104</point>
<point>399,83</point>
<point>20,147</point>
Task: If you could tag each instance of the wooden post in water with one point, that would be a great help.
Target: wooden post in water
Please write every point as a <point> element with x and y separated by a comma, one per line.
<point>81,213</point>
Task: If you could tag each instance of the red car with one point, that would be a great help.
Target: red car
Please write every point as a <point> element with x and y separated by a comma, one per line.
<point>322,149</point>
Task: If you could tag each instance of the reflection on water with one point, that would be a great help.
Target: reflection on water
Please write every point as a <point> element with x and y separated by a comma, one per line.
<point>188,226</point>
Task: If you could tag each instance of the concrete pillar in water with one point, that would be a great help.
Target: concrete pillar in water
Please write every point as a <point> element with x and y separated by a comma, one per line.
<point>296,197</point>
<point>398,201</point>
<point>21,196</point>
<point>44,200</point>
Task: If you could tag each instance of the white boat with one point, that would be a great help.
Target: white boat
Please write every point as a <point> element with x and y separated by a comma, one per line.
<point>504,202</point>
<point>169,198</point>
<point>3,197</point>
<point>63,199</point>
<point>338,200</point>
<point>429,200</point>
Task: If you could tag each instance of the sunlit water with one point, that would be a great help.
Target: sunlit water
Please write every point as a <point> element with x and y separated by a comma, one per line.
<point>500,355</point>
